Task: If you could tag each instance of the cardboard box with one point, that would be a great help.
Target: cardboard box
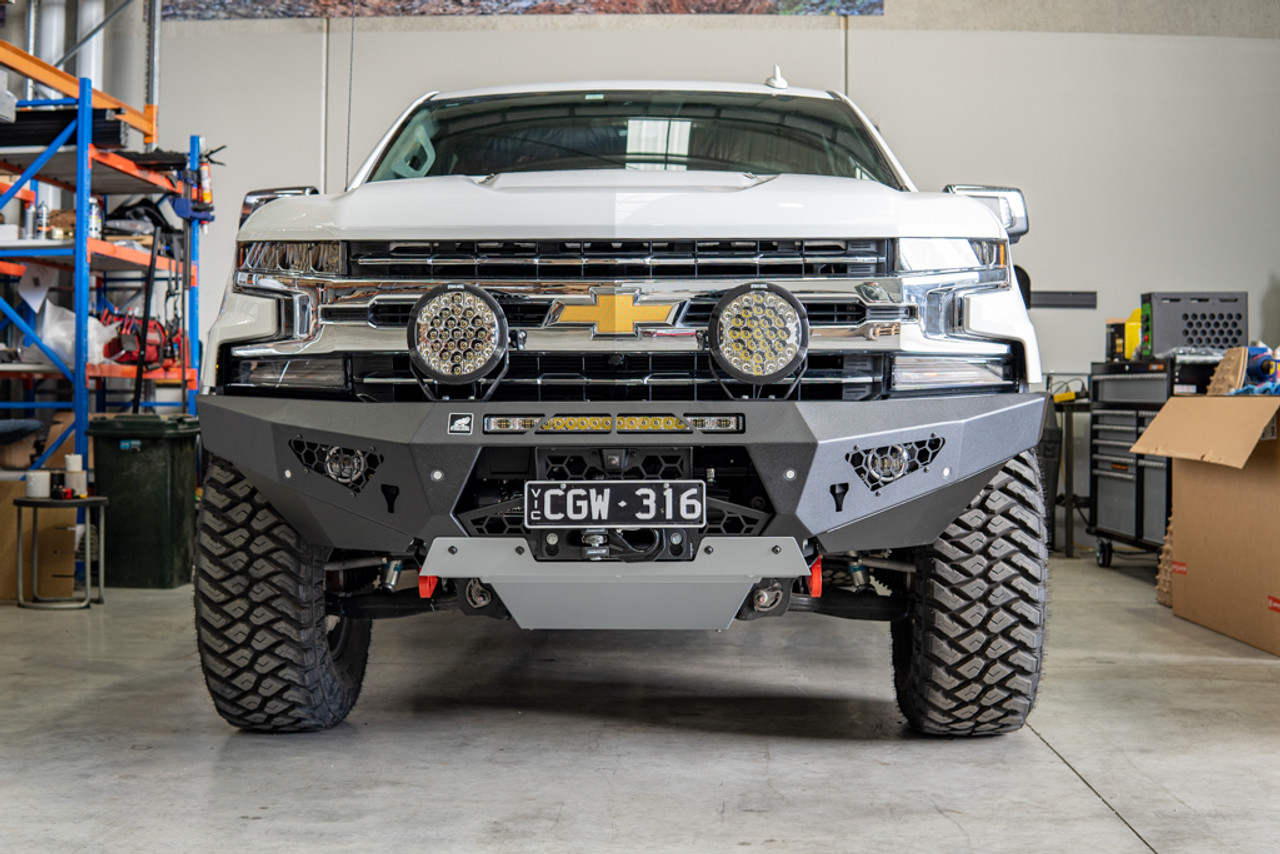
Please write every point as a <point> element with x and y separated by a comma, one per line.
<point>1226,488</point>
<point>57,547</point>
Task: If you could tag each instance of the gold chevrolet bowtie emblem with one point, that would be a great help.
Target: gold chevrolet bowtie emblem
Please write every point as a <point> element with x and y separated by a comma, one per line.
<point>616,313</point>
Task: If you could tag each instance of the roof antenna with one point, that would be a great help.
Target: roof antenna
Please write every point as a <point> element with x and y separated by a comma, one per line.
<point>351,86</point>
<point>777,81</point>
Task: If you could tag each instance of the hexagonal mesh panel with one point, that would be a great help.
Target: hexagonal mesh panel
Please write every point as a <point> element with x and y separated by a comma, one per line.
<point>503,519</point>
<point>734,519</point>
<point>315,457</point>
<point>636,465</point>
<point>888,463</point>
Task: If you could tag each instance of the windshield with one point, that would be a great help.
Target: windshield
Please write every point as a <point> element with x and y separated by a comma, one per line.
<point>732,132</point>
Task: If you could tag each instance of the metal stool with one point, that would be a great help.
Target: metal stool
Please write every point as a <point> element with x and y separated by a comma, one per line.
<point>98,503</point>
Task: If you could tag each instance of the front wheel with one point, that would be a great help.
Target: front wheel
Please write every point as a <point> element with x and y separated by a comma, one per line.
<point>967,659</point>
<point>272,660</point>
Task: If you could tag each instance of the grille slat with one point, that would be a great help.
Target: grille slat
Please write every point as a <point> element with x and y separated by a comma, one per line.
<point>621,377</point>
<point>633,259</point>
<point>520,313</point>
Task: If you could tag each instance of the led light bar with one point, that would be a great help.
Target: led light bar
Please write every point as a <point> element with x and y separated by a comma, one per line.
<point>913,373</point>
<point>514,424</point>
<point>652,424</point>
<point>577,424</point>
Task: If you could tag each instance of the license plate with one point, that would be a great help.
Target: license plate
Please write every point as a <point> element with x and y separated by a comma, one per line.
<point>615,504</point>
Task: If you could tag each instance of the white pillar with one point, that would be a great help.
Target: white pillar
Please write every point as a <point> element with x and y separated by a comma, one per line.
<point>51,43</point>
<point>89,59</point>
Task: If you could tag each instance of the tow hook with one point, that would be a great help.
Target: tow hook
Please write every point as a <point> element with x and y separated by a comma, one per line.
<point>768,598</point>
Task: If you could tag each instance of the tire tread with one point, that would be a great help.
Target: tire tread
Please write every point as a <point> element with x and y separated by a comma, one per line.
<point>260,616</point>
<point>968,662</point>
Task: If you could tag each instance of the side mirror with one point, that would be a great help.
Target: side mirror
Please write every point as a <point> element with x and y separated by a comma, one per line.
<point>255,199</point>
<point>1005,202</point>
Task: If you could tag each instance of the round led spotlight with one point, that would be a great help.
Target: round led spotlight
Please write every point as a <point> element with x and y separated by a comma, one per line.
<point>889,463</point>
<point>457,334</point>
<point>759,333</point>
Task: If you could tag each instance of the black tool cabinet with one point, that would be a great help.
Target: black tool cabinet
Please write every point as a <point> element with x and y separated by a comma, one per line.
<point>1131,494</point>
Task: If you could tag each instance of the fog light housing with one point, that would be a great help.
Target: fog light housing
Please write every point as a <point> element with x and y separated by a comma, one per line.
<point>345,465</point>
<point>457,334</point>
<point>759,333</point>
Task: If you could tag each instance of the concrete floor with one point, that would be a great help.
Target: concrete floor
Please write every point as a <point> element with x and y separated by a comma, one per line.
<point>1151,734</point>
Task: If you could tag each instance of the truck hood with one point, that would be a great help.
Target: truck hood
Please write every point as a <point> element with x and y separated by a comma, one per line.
<point>604,204</point>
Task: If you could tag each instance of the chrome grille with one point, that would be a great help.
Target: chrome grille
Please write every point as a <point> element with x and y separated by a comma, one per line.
<point>621,377</point>
<point>532,260</point>
<point>520,312</point>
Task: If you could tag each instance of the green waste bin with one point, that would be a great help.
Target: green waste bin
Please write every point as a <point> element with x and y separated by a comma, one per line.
<point>146,465</point>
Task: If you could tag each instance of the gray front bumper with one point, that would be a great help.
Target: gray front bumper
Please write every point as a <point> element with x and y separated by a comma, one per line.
<point>800,450</point>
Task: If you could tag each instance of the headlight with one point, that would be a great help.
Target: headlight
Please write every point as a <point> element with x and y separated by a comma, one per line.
<point>936,255</point>
<point>457,334</point>
<point>759,333</point>
<point>937,271</point>
<point>288,258</point>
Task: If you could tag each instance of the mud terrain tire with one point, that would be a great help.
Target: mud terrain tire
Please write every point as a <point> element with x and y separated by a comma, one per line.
<point>272,659</point>
<point>967,661</point>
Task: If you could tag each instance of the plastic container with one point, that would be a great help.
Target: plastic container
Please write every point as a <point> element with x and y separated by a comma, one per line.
<point>146,465</point>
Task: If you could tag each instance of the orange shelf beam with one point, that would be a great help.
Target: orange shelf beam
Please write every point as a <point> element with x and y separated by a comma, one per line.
<point>115,371</point>
<point>17,170</point>
<point>137,257</point>
<point>128,167</point>
<point>111,370</point>
<point>24,194</point>
<point>8,268</point>
<point>19,60</point>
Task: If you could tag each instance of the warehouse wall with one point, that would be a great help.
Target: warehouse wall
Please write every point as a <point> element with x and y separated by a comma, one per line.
<point>1143,132</point>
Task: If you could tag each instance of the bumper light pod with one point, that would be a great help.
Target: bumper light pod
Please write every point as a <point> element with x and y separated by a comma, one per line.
<point>759,333</point>
<point>716,423</point>
<point>457,334</point>
<point>345,465</point>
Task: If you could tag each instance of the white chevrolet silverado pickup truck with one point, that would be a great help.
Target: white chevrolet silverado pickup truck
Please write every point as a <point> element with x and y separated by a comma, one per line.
<point>624,355</point>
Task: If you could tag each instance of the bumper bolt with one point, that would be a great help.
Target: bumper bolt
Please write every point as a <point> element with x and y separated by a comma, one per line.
<point>453,550</point>
<point>708,550</point>
<point>437,475</point>
<point>789,474</point>
<point>777,550</point>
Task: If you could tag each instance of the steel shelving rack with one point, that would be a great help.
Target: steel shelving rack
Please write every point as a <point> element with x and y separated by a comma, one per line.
<point>73,163</point>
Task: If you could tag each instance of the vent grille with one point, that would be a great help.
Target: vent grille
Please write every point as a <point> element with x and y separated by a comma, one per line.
<point>499,260</point>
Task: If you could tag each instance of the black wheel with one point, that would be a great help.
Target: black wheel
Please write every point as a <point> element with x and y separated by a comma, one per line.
<point>1103,553</point>
<point>272,659</point>
<point>967,659</point>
